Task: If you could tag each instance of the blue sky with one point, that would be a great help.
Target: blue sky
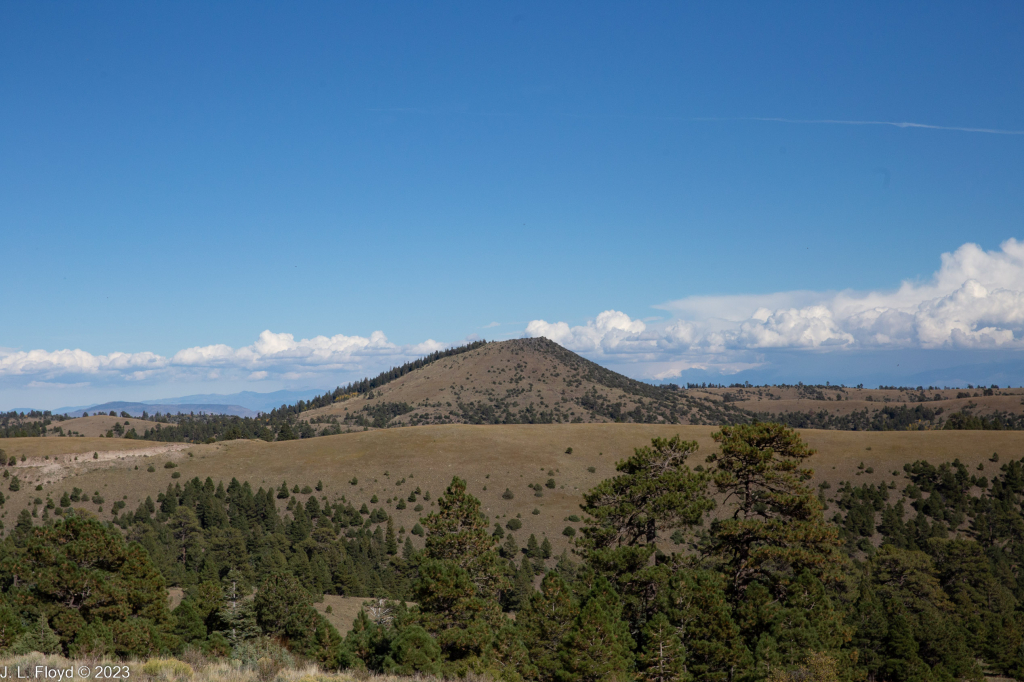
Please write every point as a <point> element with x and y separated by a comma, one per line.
<point>177,179</point>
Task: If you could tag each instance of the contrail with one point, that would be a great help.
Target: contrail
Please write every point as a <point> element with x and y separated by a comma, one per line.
<point>895,124</point>
<point>767,119</point>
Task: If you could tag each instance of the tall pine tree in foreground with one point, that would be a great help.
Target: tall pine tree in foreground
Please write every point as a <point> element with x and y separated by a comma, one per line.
<point>781,559</point>
<point>461,581</point>
<point>655,494</point>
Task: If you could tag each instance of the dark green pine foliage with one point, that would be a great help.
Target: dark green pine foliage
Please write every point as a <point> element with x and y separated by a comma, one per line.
<point>662,656</point>
<point>696,604</point>
<point>82,574</point>
<point>413,652</point>
<point>461,581</point>
<point>284,609</point>
<point>781,559</point>
<point>922,638</point>
<point>39,637</point>
<point>599,646</point>
<point>654,495</point>
<point>544,622</point>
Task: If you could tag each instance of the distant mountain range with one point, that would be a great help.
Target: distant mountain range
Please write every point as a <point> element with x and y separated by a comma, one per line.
<point>243,404</point>
<point>136,409</point>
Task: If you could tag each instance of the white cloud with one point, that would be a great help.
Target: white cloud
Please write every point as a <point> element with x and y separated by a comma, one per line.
<point>974,300</point>
<point>56,384</point>
<point>272,355</point>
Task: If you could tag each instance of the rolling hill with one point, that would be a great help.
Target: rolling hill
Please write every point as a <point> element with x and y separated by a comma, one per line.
<point>388,464</point>
<point>523,381</point>
<point>840,407</point>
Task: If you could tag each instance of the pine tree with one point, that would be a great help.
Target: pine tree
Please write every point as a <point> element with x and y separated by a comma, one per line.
<point>451,609</point>
<point>79,561</point>
<point>599,646</point>
<point>509,548</point>
<point>457,532</point>
<point>654,495</point>
<point>696,603</point>
<point>776,529</point>
<point>39,638</point>
<point>522,586</point>
<point>10,625</point>
<point>779,555</point>
<point>413,652</point>
<point>532,548</point>
<point>544,621</point>
<point>662,657</point>
<point>189,626</point>
<point>390,541</point>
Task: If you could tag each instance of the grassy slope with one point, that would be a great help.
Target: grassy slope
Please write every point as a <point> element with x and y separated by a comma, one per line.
<point>97,425</point>
<point>843,401</point>
<point>518,374</point>
<point>513,457</point>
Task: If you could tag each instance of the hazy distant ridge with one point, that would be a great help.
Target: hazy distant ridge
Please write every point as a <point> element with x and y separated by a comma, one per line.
<point>136,409</point>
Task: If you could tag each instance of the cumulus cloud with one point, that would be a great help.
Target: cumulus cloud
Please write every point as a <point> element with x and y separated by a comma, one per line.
<point>272,355</point>
<point>975,300</point>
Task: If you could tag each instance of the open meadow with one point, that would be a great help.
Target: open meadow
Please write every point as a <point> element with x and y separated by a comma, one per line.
<point>389,464</point>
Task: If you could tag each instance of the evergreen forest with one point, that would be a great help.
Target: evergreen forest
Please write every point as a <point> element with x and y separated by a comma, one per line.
<point>726,565</point>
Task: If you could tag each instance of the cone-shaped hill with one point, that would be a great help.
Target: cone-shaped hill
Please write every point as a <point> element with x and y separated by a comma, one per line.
<point>524,381</point>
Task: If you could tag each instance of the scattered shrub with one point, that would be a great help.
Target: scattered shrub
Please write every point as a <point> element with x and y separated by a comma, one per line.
<point>168,668</point>
<point>569,531</point>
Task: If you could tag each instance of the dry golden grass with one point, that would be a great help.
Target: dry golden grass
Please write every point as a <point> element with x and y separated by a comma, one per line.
<point>193,670</point>
<point>493,456</point>
<point>34,448</point>
<point>843,401</point>
<point>97,425</point>
<point>343,610</point>
<point>510,375</point>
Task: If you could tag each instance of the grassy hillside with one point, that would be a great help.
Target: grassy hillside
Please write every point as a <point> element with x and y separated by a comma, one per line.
<point>391,463</point>
<point>524,381</point>
<point>837,407</point>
